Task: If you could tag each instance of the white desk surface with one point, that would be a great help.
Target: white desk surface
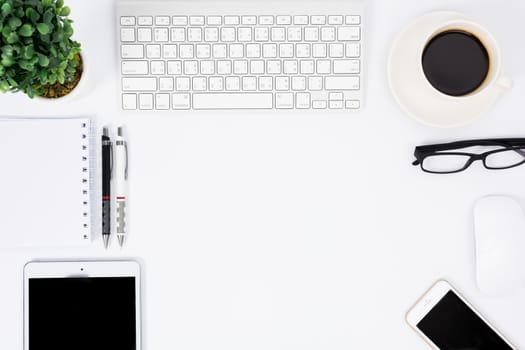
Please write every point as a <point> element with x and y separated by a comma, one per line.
<point>286,231</point>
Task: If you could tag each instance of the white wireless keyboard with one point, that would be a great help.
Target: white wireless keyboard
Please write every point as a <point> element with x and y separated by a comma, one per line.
<point>178,55</point>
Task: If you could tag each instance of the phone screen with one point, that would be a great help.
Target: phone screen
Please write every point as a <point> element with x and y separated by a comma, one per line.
<point>82,313</point>
<point>451,324</point>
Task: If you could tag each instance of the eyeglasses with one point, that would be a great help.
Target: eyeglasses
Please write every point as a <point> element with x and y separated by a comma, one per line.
<point>442,159</point>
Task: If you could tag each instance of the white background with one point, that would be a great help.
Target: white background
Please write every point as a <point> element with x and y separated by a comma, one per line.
<point>291,231</point>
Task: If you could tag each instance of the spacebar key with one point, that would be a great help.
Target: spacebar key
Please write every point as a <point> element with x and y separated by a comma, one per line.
<point>233,101</point>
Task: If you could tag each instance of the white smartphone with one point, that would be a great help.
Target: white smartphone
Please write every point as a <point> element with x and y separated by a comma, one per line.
<point>82,305</point>
<point>447,321</point>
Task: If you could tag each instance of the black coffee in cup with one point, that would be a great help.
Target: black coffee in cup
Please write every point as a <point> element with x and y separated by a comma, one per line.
<point>455,62</point>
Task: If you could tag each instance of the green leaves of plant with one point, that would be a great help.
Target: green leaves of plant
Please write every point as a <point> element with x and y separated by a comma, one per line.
<point>35,45</point>
<point>42,28</point>
<point>26,30</point>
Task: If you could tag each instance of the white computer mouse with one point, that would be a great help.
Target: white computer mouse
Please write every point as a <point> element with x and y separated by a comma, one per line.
<point>499,225</point>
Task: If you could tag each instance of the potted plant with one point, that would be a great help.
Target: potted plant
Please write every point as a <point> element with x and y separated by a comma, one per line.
<point>37,55</point>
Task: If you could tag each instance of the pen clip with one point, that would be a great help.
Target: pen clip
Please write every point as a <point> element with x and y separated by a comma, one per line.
<point>126,169</point>
<point>110,160</point>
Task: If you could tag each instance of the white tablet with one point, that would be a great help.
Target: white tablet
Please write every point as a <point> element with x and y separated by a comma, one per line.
<point>82,305</point>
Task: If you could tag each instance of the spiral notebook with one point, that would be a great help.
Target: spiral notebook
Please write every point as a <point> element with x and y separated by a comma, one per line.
<point>45,182</point>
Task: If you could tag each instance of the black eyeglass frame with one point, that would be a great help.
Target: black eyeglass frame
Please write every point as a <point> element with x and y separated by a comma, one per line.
<point>422,152</point>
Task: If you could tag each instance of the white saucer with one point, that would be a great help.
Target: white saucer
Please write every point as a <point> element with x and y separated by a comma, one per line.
<point>416,96</point>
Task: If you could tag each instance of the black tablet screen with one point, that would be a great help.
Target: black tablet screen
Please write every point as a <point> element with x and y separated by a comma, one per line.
<point>82,313</point>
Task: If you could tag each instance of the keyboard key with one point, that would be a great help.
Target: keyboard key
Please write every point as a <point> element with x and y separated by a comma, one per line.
<point>182,84</point>
<point>144,34</point>
<point>253,50</point>
<point>135,67</point>
<point>311,34</point>
<point>335,104</point>
<point>336,50</point>
<point>342,83</point>
<point>273,67</point>
<point>352,104</point>
<point>265,20</point>
<point>290,67</point>
<point>216,84</point>
<point>161,34</point>
<point>298,83</point>
<point>153,51</point>
<point>307,67</point>
<point>318,20</point>
<point>174,67</point>
<point>199,83</point>
<point>265,83</point>
<point>257,67</point>
<point>231,20</point>
<point>240,67</point>
<point>197,20</point>
<point>232,101</point>
<point>207,67</point>
<point>211,34</point>
<point>180,101</point>
<point>354,20</point>
<point>269,50</point>
<point>286,50</point>
<point>328,34</point>
<point>127,21</point>
<point>180,20</point>
<point>146,101</point>
<point>127,34</point>
<point>261,34</point>
<point>178,34</point>
<point>162,21</point>
<point>233,83</point>
<point>162,101</point>
<point>302,100</point>
<point>166,84</point>
<point>169,51</point>
<point>219,51</point>
<point>236,50</point>
<point>249,20</point>
<point>145,20</point>
<point>139,84</point>
<point>214,20</point>
<point>349,33</point>
<point>224,67</point>
<point>278,34</point>
<point>346,66</point>
<point>335,20</point>
<point>244,34</point>
<point>335,96</point>
<point>194,34</point>
<point>324,67</point>
<point>302,50</point>
<point>249,83</point>
<point>301,20</point>
<point>191,67</point>
<point>353,50</point>
<point>186,51</point>
<point>294,34</point>
<point>203,50</point>
<point>319,50</point>
<point>284,100</point>
<point>228,34</point>
<point>283,20</point>
<point>129,101</point>
<point>282,83</point>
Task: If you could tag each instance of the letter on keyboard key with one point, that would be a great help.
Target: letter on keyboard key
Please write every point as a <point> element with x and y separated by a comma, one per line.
<point>342,83</point>
<point>132,51</point>
<point>139,84</point>
<point>135,67</point>
<point>232,101</point>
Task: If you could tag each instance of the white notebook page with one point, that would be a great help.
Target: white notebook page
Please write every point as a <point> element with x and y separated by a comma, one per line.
<point>44,182</point>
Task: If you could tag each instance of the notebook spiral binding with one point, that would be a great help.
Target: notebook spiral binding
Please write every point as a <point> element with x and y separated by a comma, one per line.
<point>88,179</point>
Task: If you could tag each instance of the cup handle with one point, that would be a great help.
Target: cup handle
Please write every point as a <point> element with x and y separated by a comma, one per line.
<point>505,83</point>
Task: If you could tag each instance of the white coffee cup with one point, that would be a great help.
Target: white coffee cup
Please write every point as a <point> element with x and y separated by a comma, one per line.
<point>416,95</point>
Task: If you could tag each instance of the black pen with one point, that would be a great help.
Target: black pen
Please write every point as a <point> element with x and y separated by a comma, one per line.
<point>107,160</point>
